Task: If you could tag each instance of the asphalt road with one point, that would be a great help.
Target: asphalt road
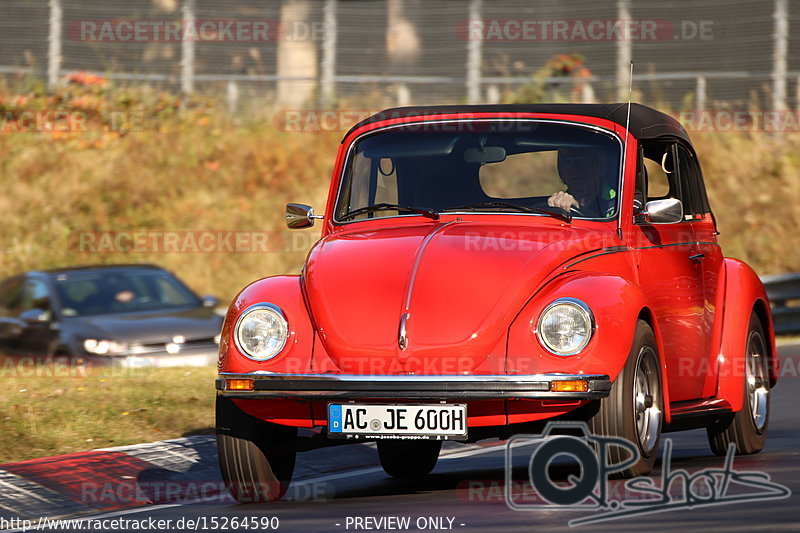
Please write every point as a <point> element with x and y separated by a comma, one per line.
<point>464,493</point>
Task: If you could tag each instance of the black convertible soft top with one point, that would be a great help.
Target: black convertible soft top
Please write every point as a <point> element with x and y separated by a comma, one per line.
<point>646,122</point>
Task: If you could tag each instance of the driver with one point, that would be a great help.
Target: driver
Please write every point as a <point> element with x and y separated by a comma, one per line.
<point>580,170</point>
<point>123,293</point>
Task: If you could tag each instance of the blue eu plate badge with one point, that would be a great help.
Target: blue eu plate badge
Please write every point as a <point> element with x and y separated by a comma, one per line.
<point>334,418</point>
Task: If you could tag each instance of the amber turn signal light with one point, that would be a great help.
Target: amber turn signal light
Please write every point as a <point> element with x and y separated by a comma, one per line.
<point>239,384</point>
<point>575,385</point>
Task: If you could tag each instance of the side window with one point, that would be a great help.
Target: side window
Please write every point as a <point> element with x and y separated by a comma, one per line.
<point>657,179</point>
<point>658,174</point>
<point>11,297</point>
<point>661,178</point>
<point>695,201</point>
<point>386,189</point>
<point>35,296</point>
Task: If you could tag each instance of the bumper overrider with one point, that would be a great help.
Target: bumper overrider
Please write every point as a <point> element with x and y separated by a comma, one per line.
<point>413,387</point>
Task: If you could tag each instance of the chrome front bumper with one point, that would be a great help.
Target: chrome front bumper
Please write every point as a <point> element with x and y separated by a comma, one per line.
<point>413,387</point>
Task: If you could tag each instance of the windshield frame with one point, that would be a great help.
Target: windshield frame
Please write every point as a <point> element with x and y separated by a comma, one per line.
<point>599,129</point>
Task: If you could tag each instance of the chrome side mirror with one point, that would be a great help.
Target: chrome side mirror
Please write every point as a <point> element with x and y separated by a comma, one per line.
<point>666,211</point>
<point>300,216</point>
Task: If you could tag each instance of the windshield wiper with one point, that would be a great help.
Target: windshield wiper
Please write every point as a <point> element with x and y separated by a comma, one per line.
<point>562,216</point>
<point>424,211</point>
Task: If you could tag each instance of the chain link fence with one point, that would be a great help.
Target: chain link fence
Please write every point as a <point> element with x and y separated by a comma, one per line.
<point>298,53</point>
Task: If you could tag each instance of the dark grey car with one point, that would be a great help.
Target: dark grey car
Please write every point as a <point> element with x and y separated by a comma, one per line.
<point>135,315</point>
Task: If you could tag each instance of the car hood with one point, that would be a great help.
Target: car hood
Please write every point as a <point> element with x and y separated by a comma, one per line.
<point>153,327</point>
<point>460,283</point>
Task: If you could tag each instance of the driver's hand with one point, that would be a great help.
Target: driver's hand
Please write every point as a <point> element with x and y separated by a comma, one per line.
<point>563,200</point>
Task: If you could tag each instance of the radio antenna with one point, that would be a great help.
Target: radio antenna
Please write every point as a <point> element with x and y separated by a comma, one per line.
<point>625,144</point>
<point>630,95</point>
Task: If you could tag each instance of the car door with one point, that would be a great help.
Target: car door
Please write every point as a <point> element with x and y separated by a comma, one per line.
<point>670,275</point>
<point>36,316</point>
<point>709,257</point>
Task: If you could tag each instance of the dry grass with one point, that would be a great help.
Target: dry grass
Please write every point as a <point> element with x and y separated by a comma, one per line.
<point>176,171</point>
<point>754,190</point>
<point>52,410</point>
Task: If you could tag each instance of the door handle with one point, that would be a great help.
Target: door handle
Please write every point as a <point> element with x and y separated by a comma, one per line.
<point>696,258</point>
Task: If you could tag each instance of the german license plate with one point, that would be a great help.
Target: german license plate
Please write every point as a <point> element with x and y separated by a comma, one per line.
<point>408,421</point>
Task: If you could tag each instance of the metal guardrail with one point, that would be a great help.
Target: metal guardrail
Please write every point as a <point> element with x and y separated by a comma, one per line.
<point>784,296</point>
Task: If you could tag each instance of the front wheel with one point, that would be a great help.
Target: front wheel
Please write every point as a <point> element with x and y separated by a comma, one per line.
<point>747,428</point>
<point>408,459</point>
<point>634,408</point>
<point>256,458</point>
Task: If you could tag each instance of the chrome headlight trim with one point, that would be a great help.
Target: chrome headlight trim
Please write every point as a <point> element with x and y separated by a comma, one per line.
<point>575,303</point>
<point>256,307</point>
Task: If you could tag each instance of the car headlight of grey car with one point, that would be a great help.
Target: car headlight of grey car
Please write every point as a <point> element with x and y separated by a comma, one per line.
<point>105,347</point>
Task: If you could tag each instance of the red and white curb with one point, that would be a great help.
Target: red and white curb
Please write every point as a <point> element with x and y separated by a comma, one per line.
<point>165,473</point>
<point>110,479</point>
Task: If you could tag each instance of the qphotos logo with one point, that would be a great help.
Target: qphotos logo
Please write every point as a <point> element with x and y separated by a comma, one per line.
<point>593,491</point>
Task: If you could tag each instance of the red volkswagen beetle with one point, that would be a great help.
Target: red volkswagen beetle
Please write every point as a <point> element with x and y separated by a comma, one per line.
<point>483,269</point>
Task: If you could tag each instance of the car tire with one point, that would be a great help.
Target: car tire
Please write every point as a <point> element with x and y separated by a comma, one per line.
<point>256,458</point>
<point>634,408</point>
<point>747,428</point>
<point>408,459</point>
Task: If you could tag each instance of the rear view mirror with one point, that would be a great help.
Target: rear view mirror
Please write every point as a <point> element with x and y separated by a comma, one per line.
<point>485,154</point>
<point>210,301</point>
<point>667,211</point>
<point>300,216</point>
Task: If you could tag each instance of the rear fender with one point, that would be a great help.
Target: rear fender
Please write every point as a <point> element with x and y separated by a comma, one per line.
<point>617,305</point>
<point>744,293</point>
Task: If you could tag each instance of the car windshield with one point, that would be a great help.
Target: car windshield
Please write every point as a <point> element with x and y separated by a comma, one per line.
<point>518,167</point>
<point>120,291</point>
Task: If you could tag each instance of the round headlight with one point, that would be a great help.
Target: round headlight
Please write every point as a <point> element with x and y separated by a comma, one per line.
<point>261,332</point>
<point>565,326</point>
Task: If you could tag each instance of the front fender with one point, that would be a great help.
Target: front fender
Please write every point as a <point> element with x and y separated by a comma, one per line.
<point>617,304</point>
<point>744,293</point>
<point>285,292</point>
